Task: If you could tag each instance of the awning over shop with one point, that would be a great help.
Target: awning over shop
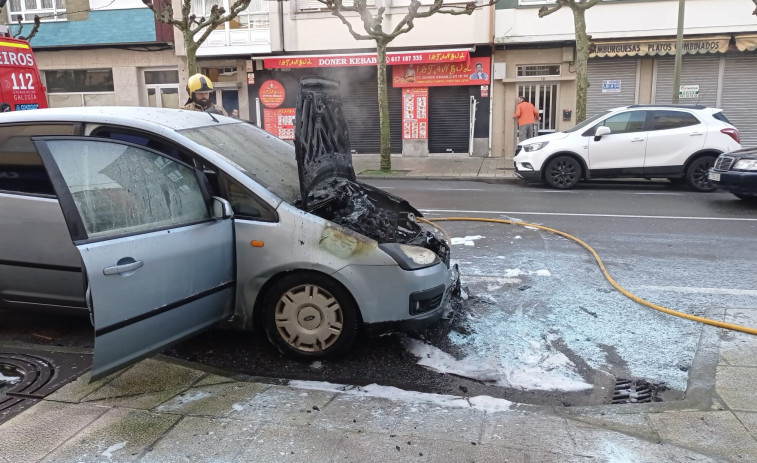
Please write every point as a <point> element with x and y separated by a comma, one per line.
<point>713,44</point>
<point>367,59</point>
<point>746,42</point>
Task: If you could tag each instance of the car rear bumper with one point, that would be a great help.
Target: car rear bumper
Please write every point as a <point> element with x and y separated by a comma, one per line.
<point>742,183</point>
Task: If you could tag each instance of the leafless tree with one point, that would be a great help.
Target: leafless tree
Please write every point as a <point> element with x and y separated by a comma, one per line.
<point>32,33</point>
<point>372,24</point>
<point>583,47</point>
<point>195,30</point>
<point>755,9</point>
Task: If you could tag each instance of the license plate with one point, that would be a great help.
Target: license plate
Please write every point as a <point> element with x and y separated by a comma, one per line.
<point>714,177</point>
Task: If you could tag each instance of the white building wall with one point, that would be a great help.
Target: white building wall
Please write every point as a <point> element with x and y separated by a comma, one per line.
<point>320,31</point>
<point>629,19</point>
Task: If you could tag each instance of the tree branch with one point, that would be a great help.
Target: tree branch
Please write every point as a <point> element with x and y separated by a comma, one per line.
<point>755,9</point>
<point>164,16</point>
<point>336,8</point>
<point>548,10</point>
<point>586,4</point>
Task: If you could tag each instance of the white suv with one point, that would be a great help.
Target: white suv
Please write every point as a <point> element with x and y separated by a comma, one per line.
<point>677,142</point>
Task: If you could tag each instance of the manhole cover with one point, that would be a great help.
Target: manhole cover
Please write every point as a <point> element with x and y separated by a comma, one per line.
<point>31,375</point>
<point>636,392</point>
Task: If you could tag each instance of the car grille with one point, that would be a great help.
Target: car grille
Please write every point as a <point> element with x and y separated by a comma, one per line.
<point>723,163</point>
<point>517,149</point>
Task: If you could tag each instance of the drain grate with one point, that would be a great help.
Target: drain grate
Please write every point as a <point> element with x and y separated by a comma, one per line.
<point>41,374</point>
<point>636,392</point>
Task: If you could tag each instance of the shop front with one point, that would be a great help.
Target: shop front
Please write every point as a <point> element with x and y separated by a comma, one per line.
<point>429,102</point>
<point>716,71</point>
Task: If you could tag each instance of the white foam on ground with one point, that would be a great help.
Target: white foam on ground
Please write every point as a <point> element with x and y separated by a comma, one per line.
<point>482,402</point>
<point>540,368</point>
<point>468,240</point>
<point>9,379</point>
<point>113,448</point>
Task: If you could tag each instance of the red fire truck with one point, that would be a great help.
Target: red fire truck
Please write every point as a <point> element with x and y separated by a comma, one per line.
<point>20,84</point>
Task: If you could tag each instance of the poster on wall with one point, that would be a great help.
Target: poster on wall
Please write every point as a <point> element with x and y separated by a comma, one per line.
<point>272,93</point>
<point>415,113</point>
<point>279,122</point>
<point>612,86</point>
<point>473,72</point>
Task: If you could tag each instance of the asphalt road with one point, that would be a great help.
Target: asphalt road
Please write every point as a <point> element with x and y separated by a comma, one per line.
<point>532,290</point>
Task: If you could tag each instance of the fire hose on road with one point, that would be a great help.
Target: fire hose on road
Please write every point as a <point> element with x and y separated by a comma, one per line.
<point>625,292</point>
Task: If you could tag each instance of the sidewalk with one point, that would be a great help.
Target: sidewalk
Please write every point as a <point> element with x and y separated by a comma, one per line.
<point>164,410</point>
<point>438,167</point>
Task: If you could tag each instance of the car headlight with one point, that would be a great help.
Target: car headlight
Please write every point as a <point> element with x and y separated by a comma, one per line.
<point>745,164</point>
<point>410,257</point>
<point>535,146</point>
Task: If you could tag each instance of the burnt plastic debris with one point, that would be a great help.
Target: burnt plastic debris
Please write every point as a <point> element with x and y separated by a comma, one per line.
<point>328,186</point>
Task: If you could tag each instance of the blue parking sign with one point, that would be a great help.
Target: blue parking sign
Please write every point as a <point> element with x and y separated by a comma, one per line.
<point>611,86</point>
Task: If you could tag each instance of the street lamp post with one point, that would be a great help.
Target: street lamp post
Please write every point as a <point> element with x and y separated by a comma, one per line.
<point>679,52</point>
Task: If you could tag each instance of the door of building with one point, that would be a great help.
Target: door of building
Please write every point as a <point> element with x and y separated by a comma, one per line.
<point>544,97</point>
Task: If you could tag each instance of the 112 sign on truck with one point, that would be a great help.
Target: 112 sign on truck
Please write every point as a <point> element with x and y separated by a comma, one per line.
<point>20,84</point>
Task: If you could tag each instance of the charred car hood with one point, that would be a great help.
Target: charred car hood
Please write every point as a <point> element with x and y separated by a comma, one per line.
<point>328,185</point>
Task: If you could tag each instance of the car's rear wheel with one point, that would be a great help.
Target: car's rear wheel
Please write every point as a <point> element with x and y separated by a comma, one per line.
<point>696,174</point>
<point>563,172</point>
<point>309,315</point>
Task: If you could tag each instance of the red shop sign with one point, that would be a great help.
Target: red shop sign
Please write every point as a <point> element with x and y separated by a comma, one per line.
<point>473,72</point>
<point>272,93</point>
<point>367,59</point>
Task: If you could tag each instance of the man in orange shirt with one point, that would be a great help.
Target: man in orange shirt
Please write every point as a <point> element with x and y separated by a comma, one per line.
<point>527,115</point>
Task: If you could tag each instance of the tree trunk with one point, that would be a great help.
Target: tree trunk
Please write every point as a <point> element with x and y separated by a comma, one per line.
<point>191,49</point>
<point>383,101</point>
<point>582,60</point>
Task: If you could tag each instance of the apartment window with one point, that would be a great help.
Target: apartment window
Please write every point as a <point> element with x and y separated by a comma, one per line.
<point>80,87</point>
<point>162,88</point>
<point>255,16</point>
<point>47,10</point>
<point>539,70</point>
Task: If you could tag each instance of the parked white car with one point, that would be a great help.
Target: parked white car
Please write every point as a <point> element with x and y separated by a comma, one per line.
<point>677,142</point>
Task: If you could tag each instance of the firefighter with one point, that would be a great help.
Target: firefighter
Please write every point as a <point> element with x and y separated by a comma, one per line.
<point>199,88</point>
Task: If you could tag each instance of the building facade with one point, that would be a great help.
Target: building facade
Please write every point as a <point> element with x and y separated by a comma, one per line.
<point>438,77</point>
<point>632,61</point>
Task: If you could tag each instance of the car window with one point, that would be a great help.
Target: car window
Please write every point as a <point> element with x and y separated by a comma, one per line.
<point>721,117</point>
<point>142,139</point>
<point>120,188</point>
<point>587,122</point>
<point>665,120</point>
<point>245,204</point>
<point>21,169</point>
<point>266,159</point>
<point>626,122</point>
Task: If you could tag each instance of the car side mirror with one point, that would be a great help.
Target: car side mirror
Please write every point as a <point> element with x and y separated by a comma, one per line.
<point>222,209</point>
<point>601,131</point>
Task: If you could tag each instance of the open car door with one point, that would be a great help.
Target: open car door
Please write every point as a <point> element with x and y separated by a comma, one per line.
<point>157,250</point>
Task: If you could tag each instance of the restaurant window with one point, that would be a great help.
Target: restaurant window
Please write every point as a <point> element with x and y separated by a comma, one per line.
<point>80,87</point>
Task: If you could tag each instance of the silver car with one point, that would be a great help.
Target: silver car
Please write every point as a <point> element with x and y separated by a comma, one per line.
<point>162,223</point>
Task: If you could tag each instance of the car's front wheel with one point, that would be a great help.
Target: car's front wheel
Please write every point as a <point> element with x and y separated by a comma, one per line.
<point>696,174</point>
<point>309,315</point>
<point>562,172</point>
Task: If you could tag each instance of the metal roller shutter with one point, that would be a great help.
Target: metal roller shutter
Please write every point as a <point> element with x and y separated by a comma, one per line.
<point>360,102</point>
<point>739,98</point>
<point>695,70</point>
<point>448,119</point>
<point>622,69</point>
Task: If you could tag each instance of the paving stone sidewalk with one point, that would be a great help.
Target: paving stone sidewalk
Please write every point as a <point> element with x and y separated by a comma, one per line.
<point>438,167</point>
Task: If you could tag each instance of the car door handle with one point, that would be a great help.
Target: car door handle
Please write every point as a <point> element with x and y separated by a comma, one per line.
<point>637,140</point>
<point>123,268</point>
<point>696,134</point>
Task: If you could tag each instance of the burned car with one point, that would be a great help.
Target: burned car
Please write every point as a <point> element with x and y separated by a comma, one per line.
<point>162,223</point>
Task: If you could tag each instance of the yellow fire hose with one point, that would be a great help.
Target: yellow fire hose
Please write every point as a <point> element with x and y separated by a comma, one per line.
<point>633,297</point>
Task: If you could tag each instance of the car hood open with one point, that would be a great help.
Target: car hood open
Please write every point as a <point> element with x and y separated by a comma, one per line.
<point>328,185</point>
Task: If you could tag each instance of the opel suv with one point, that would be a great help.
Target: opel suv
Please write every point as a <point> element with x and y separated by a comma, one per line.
<point>677,142</point>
